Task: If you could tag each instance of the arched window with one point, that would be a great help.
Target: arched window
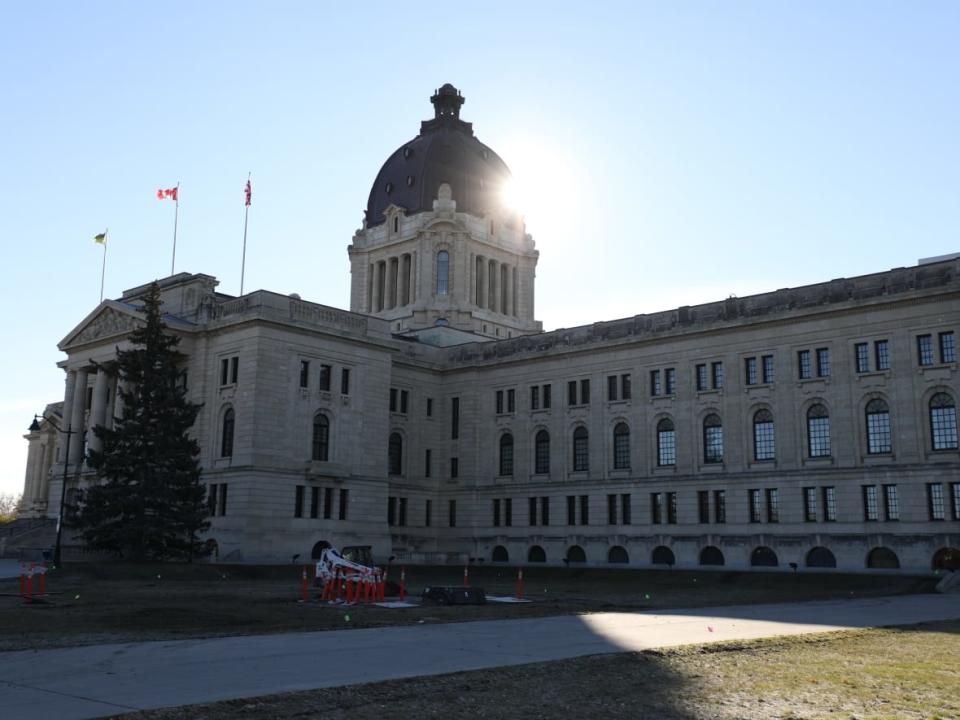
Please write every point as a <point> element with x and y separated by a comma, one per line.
<point>878,427</point>
<point>618,555</point>
<point>395,454</point>
<point>500,554</point>
<point>662,555</point>
<point>575,554</point>
<point>763,445</point>
<point>542,453</point>
<point>318,548</point>
<point>621,447</point>
<point>818,431</point>
<point>883,558</point>
<point>536,555</point>
<point>666,443</point>
<point>443,272</point>
<point>763,557</point>
<point>226,438</point>
<point>943,422</point>
<point>711,555</point>
<point>712,439</point>
<point>506,454</point>
<point>947,558</point>
<point>581,449</point>
<point>321,438</point>
<point>821,557</point>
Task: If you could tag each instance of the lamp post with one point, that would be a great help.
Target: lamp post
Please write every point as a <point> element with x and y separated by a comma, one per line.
<point>34,427</point>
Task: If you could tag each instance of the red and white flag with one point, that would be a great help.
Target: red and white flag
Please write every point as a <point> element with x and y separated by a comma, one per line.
<point>170,193</point>
<point>247,192</point>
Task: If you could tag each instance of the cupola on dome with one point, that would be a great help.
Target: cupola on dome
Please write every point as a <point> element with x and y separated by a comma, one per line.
<point>445,151</point>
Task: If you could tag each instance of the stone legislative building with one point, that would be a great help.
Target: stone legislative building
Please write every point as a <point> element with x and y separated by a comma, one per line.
<point>811,427</point>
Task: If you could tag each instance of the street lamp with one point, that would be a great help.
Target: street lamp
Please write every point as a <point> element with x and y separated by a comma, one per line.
<point>34,427</point>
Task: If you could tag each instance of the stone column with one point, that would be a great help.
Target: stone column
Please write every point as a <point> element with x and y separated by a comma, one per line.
<point>493,280</point>
<point>70,382</point>
<point>391,284</point>
<point>513,291</point>
<point>377,288</point>
<point>481,283</point>
<point>76,417</point>
<point>33,460</point>
<point>43,494</point>
<point>405,273</point>
<point>98,409</point>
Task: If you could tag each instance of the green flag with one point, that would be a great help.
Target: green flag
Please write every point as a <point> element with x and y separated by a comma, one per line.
<point>100,239</point>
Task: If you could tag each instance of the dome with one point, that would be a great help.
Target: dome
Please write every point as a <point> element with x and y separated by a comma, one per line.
<point>445,151</point>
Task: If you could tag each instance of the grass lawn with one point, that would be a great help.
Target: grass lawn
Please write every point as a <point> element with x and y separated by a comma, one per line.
<point>898,673</point>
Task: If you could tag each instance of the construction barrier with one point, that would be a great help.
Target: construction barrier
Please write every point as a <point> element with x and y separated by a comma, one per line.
<point>27,571</point>
<point>466,577</point>
<point>519,594</point>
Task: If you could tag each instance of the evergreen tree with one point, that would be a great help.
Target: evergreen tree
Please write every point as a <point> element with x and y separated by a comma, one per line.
<point>149,503</point>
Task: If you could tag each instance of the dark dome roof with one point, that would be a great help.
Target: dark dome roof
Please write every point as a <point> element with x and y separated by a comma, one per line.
<point>445,151</point>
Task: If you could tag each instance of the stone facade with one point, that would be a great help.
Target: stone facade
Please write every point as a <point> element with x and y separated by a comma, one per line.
<point>436,422</point>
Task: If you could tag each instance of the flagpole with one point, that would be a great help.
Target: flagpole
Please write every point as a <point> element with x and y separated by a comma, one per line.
<point>103,270</point>
<point>176,213</point>
<point>243,262</point>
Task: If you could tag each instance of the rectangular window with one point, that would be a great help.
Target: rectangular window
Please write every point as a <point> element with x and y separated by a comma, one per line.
<point>626,390</point>
<point>393,400</point>
<point>654,382</point>
<point>224,371</point>
<point>532,502</point>
<point>767,362</point>
<point>823,362</point>
<point>298,503</point>
<point>625,511</point>
<point>703,505</point>
<point>670,378</point>
<point>716,370</point>
<point>427,462</point>
<point>720,506</point>
<point>571,509</point>
<point>701,377</point>
<point>223,498</point>
<point>584,509</point>
<point>452,513</point>
<point>881,354</point>
<point>327,503</point>
<point>499,402</point>
<point>234,369</point>
<point>948,347</point>
<point>325,371</point>
<point>809,504</point>
<point>391,511</point>
<point>427,512</point>
<point>508,512</point>
<point>773,505</point>
<point>544,511</point>
<point>656,508</point>
<point>304,373</point>
<point>891,502</point>
<point>611,388</point>
<point>804,370</point>
<point>534,397</point>
<point>862,357</point>
<point>212,498</point>
<point>754,498</point>
<point>454,467</point>
<point>829,504</point>
<point>955,495</point>
<point>611,509</point>
<point>404,401</point>
<point>511,400</point>
<point>314,502</point>
<point>454,418</point>
<point>750,371</point>
<point>935,501</point>
<point>672,508</point>
<point>870,506</point>
<point>429,407</point>
<point>345,381</point>
<point>925,349</point>
<point>344,496</point>
<point>584,392</point>
<point>496,512</point>
<point>546,397</point>
<point>402,513</point>
<point>572,393</point>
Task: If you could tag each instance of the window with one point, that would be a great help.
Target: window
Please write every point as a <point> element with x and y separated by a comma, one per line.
<point>393,400</point>
<point>935,501</point>
<point>954,494</point>
<point>712,439</point>
<point>803,365</point>
<point>818,431</point>
<point>716,370</point>
<point>304,373</point>
<point>881,354</point>
<point>541,461</point>
<point>395,454</point>
<point>754,497</point>
<point>655,382</point>
<point>212,498</point>
<point>544,511</point>
<point>506,454</point>
<point>454,467</point>
<point>767,368</point>
<point>546,397</point>
<point>720,506</point>
<point>443,273</point>
<point>534,397</point>
<point>656,508</point>
<point>626,513</point>
<point>344,381</point>
<point>584,392</point>
<point>344,497</point>
<point>391,511</point>
<point>223,498</point>
<point>763,441</point>
<point>429,407</point>
<point>810,504</point>
<point>427,512</point>
<point>823,362</point>
<point>452,513</point>
<point>891,502</point>
<point>507,512</point>
<point>611,388</point>
<point>321,438</point>
<point>862,357</point>
<point>666,443</point>
<point>404,401</point>
<point>943,422</point>
<point>948,347</point>
<point>830,504</point>
<point>925,349</point>
<point>581,450</point>
<point>584,509</point>
<point>325,372</point>
<point>226,440</point>
<point>496,512</point>
<point>878,427</point>
<point>402,512</point>
<point>621,447</point>
<point>773,505</point>
<point>701,374</point>
<point>703,506</point>
<point>511,400</point>
<point>626,391</point>
<point>532,502</point>
<point>499,402</point>
<point>298,502</point>
<point>327,503</point>
<point>454,418</point>
<point>225,371</point>
<point>572,393</point>
<point>670,380</point>
<point>750,370</point>
<point>611,509</point>
<point>672,508</point>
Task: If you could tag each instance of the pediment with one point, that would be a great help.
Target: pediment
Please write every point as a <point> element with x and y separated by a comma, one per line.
<point>109,319</point>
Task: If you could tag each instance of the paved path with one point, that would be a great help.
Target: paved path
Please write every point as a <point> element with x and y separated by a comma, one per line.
<point>101,680</point>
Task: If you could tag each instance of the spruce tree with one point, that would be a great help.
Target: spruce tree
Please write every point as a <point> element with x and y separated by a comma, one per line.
<point>149,503</point>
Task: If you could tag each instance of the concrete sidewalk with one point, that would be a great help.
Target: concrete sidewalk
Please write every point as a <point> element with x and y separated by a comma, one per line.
<point>101,680</point>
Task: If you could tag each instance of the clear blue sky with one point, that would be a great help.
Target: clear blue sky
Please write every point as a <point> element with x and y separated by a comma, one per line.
<point>673,152</point>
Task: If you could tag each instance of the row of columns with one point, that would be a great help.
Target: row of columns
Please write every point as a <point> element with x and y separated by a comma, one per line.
<point>102,408</point>
<point>496,285</point>
<point>392,283</point>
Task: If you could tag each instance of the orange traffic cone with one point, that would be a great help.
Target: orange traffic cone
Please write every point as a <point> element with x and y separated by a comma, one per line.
<point>466,577</point>
<point>403,583</point>
<point>520,584</point>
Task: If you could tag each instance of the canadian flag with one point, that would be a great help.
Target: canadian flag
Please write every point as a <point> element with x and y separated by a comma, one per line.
<point>171,193</point>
